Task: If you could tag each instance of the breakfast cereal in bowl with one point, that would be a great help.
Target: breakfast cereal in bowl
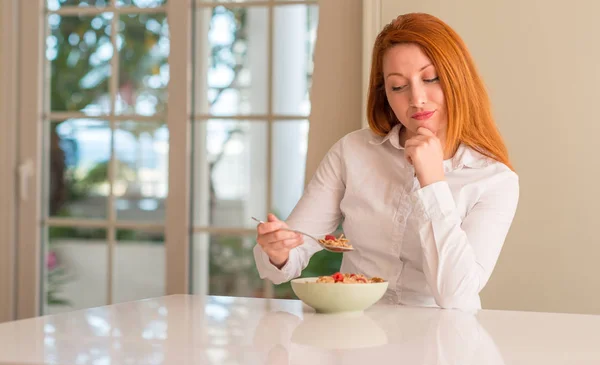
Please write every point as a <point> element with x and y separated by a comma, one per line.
<point>340,292</point>
<point>348,279</point>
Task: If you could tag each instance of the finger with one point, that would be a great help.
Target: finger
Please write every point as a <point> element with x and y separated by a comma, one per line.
<point>294,242</point>
<point>269,227</point>
<point>425,132</point>
<point>281,246</point>
<point>280,235</point>
<point>272,218</point>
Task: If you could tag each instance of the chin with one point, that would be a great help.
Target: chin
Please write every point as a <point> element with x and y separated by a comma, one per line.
<point>413,128</point>
<point>432,126</point>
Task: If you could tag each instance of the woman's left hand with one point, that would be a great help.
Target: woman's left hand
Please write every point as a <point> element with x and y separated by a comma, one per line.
<point>424,151</point>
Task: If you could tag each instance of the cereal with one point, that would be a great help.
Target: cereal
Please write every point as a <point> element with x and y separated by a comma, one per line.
<point>332,241</point>
<point>339,278</point>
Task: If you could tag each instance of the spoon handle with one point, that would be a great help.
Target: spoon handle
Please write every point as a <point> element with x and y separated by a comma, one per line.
<point>331,249</point>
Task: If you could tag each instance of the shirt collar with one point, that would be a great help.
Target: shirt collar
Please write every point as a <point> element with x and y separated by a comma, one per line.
<point>464,156</point>
<point>393,136</point>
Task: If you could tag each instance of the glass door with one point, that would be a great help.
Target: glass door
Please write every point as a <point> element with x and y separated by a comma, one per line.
<point>105,152</point>
<point>146,144</point>
<point>253,63</point>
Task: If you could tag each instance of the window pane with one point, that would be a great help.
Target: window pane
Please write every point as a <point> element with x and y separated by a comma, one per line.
<point>57,4</point>
<point>289,140</point>
<point>139,265</point>
<point>143,67</point>
<point>231,68</point>
<point>142,3</point>
<point>141,179</point>
<point>294,38</point>
<point>229,173</point>
<point>79,157</point>
<point>76,260</point>
<point>230,263</point>
<point>79,50</point>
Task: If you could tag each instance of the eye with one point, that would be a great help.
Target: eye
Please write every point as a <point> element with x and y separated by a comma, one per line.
<point>430,81</point>
<point>398,88</point>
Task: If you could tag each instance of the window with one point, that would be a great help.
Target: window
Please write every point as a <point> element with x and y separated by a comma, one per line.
<point>250,125</point>
<point>107,143</point>
<point>122,121</point>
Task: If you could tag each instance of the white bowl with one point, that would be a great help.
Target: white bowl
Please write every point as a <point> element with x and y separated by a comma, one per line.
<point>336,298</point>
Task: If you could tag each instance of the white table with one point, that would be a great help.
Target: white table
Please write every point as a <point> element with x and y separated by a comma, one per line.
<point>185,329</point>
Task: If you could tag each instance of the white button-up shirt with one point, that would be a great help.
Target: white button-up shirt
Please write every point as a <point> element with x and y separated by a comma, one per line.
<point>437,245</point>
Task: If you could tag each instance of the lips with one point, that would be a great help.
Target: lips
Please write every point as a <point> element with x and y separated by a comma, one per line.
<point>422,115</point>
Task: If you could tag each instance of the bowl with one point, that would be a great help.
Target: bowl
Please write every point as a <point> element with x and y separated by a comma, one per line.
<point>337,298</point>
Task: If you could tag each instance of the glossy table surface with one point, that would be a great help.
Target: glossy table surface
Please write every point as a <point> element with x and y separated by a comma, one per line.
<point>186,329</point>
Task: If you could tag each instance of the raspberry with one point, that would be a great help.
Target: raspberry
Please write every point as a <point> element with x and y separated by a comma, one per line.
<point>338,277</point>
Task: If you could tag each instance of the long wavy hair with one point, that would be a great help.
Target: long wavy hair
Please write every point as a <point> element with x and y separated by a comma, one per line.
<point>469,111</point>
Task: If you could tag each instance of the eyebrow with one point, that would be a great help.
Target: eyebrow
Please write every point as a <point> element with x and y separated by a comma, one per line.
<point>399,74</point>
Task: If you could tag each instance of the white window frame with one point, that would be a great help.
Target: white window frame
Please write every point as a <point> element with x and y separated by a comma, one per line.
<point>32,119</point>
<point>29,157</point>
<point>269,117</point>
<point>177,219</point>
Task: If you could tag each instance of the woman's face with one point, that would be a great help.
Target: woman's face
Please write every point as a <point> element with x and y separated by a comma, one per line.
<point>413,90</point>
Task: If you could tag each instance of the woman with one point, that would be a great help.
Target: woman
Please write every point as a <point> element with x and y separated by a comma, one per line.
<point>426,195</point>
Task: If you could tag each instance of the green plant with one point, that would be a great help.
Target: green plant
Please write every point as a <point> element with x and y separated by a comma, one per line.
<point>230,260</point>
<point>321,263</point>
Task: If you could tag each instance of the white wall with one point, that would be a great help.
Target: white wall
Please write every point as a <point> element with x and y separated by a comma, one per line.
<point>540,62</point>
<point>337,86</point>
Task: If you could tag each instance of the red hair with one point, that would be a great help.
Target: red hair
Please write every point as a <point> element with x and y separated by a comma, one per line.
<point>470,119</point>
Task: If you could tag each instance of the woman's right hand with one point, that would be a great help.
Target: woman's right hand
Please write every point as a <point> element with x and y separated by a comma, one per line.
<point>276,241</point>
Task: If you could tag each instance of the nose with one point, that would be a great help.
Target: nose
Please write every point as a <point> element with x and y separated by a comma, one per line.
<point>418,95</point>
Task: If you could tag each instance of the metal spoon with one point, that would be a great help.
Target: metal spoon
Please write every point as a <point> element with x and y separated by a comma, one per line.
<point>325,247</point>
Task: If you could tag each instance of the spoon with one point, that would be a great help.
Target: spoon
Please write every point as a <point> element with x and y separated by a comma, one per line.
<point>326,247</point>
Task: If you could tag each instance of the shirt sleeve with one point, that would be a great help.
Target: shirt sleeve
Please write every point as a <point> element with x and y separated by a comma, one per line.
<point>317,213</point>
<point>459,256</point>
